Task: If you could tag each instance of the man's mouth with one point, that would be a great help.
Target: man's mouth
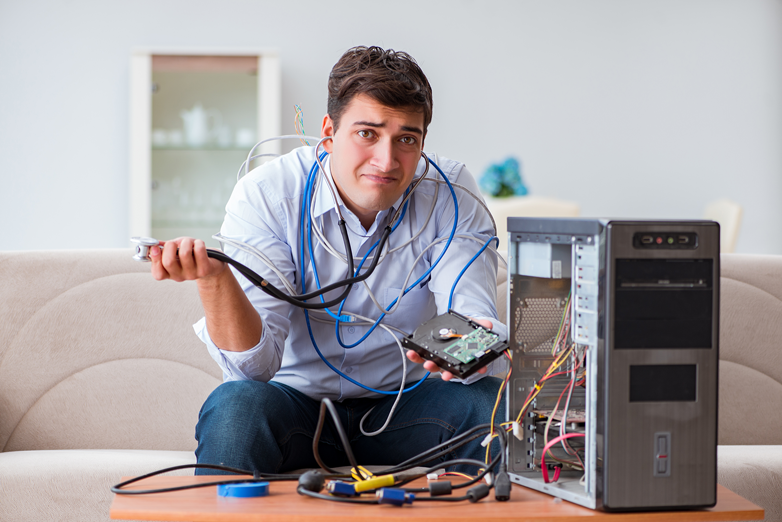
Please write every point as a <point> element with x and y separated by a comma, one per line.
<point>383,180</point>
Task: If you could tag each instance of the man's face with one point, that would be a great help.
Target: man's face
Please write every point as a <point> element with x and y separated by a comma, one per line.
<point>374,154</point>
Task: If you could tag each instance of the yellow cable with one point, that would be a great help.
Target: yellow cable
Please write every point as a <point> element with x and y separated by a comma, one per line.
<point>375,483</point>
<point>496,406</point>
<point>361,473</point>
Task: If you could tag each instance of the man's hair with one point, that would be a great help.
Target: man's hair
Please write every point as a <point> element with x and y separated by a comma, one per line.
<point>391,78</point>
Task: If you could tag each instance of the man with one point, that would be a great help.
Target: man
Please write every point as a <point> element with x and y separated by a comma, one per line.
<point>262,418</point>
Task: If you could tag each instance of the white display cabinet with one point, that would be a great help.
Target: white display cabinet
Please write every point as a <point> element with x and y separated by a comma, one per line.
<point>194,116</point>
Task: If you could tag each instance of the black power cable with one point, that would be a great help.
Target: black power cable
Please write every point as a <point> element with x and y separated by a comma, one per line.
<point>270,477</point>
<point>300,300</point>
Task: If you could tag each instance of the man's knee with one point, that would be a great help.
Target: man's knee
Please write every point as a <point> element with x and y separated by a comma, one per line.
<point>235,406</point>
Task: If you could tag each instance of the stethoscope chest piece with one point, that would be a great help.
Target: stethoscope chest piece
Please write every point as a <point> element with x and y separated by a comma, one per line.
<point>142,247</point>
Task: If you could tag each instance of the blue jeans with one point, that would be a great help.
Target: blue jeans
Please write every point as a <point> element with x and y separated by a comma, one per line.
<point>269,427</point>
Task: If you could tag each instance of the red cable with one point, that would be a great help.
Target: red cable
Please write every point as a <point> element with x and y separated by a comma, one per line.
<point>553,441</point>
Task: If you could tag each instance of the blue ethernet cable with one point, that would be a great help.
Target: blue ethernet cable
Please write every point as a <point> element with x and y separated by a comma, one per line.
<point>414,284</point>
<point>306,219</point>
<point>374,326</point>
<point>450,297</point>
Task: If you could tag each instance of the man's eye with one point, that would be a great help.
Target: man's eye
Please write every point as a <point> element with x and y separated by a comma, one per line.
<point>408,140</point>
<point>365,133</point>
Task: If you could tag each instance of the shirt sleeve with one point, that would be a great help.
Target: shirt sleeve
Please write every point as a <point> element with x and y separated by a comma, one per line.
<point>475,293</point>
<point>254,217</point>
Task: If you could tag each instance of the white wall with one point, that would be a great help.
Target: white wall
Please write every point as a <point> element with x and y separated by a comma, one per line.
<point>646,108</point>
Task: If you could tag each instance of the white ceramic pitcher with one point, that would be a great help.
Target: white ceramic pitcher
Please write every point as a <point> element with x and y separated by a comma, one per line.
<point>200,125</point>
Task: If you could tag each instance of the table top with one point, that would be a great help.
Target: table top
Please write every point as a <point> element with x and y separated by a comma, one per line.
<point>284,504</point>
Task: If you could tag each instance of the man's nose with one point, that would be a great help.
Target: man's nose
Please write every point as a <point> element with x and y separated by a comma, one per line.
<point>383,158</point>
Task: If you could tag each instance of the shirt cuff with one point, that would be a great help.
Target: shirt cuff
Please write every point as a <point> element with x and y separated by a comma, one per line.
<point>229,362</point>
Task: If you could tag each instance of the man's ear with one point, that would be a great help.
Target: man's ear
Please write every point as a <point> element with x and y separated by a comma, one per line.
<point>327,129</point>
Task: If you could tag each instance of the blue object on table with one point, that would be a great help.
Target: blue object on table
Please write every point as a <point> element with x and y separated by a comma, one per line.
<point>244,490</point>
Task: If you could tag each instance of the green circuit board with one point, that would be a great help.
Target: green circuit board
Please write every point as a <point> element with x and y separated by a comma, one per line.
<point>472,346</point>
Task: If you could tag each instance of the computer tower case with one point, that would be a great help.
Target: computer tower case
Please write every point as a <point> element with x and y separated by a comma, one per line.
<point>614,336</point>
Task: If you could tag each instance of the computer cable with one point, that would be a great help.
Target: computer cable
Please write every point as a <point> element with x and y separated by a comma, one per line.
<point>458,277</point>
<point>448,446</point>
<point>498,399</point>
<point>421,278</point>
<point>552,442</point>
<point>434,453</point>
<point>265,477</point>
<point>375,259</point>
<point>398,395</point>
<point>245,166</point>
<point>312,481</point>
<point>384,481</point>
<point>321,236</point>
<point>576,364</point>
<point>327,405</point>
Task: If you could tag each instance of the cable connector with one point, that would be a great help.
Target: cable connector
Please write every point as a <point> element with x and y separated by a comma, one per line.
<point>435,475</point>
<point>517,431</point>
<point>441,487</point>
<point>502,486</point>
<point>340,488</point>
<point>487,440</point>
<point>361,473</point>
<point>375,483</point>
<point>395,496</point>
<point>475,493</point>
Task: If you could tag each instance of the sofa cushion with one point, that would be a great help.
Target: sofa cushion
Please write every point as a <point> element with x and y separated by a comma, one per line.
<point>750,352</point>
<point>73,485</point>
<point>87,336</point>
<point>123,404</point>
<point>755,473</point>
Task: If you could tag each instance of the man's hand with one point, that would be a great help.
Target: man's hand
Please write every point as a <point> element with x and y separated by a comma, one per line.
<point>432,367</point>
<point>183,259</point>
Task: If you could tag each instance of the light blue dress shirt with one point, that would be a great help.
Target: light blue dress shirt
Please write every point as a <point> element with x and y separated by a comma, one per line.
<point>265,211</point>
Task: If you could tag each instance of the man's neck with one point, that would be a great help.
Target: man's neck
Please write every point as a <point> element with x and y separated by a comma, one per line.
<point>366,219</point>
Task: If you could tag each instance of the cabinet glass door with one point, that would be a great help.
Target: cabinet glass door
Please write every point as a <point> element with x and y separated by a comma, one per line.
<point>190,132</point>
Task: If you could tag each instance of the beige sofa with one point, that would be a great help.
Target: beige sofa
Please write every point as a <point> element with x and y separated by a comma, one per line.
<point>101,376</point>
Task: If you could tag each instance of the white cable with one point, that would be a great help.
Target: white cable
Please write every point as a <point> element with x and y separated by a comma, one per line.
<point>246,165</point>
<point>246,162</point>
<point>330,248</point>
<point>398,395</point>
<point>389,329</point>
<point>364,321</point>
<point>433,243</point>
<point>393,309</point>
<point>246,247</point>
<point>334,252</point>
<point>473,195</point>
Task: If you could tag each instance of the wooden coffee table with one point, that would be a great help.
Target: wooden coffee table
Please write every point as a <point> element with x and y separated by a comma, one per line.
<point>285,505</point>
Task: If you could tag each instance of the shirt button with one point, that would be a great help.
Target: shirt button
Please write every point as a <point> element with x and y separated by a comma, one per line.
<point>349,370</point>
<point>352,329</point>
